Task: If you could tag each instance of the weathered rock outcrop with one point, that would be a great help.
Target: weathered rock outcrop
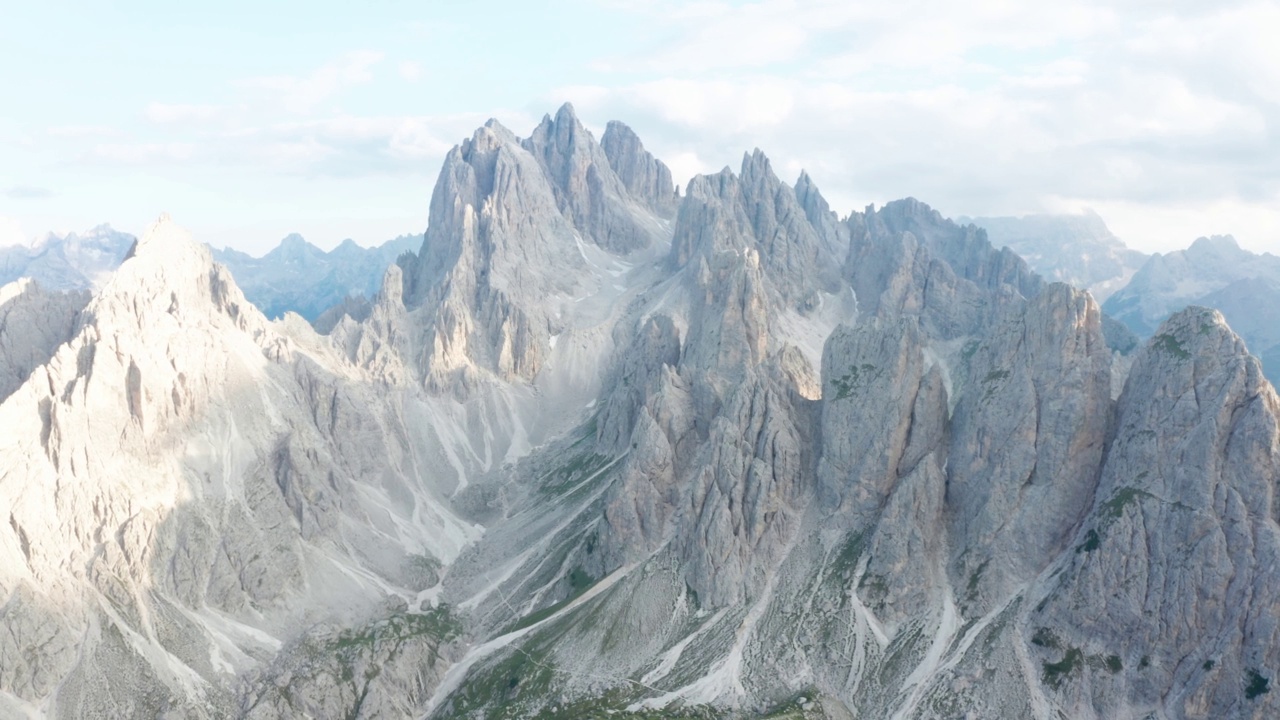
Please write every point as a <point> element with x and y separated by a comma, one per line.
<point>184,487</point>
<point>587,190</point>
<point>33,323</point>
<point>647,178</point>
<point>1028,435</point>
<point>1167,603</point>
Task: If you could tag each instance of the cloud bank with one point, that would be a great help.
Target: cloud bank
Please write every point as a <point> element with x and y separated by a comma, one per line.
<point>1162,116</point>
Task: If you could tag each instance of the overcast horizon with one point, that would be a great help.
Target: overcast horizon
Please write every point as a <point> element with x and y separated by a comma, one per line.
<point>247,124</point>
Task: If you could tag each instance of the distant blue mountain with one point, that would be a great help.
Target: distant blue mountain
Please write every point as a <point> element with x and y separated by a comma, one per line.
<point>300,277</point>
<point>296,276</point>
<point>67,262</point>
<point>1214,272</point>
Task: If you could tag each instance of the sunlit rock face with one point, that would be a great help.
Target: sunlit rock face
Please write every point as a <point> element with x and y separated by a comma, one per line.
<point>601,445</point>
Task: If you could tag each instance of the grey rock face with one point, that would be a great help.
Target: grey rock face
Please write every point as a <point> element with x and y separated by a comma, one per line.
<point>245,477</point>
<point>33,323</point>
<point>645,177</point>
<point>884,446</point>
<point>717,457</point>
<point>1029,435</point>
<point>872,376</point>
<point>496,240</point>
<point>896,275</point>
<point>587,189</point>
<point>756,212</point>
<point>1174,571</point>
<point>833,232</point>
<point>965,249</point>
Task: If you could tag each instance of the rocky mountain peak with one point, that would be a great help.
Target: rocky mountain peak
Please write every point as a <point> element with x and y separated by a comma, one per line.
<point>1194,412</point>
<point>1214,245</point>
<point>488,137</point>
<point>833,233</point>
<point>1192,343</point>
<point>1215,272</point>
<point>564,134</point>
<point>587,190</point>
<point>169,275</point>
<point>757,168</point>
<point>756,211</point>
<point>809,196</point>
<point>647,178</point>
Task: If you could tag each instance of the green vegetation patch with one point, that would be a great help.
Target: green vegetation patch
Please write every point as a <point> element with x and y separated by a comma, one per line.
<point>846,561</point>
<point>572,473</point>
<point>901,656</point>
<point>845,385</point>
<point>613,704</point>
<point>971,590</point>
<point>793,706</point>
<point>1055,673</point>
<point>995,376</point>
<point>1045,638</point>
<point>1258,685</point>
<point>994,633</point>
<point>1167,343</point>
<point>589,431</point>
<point>438,623</point>
<point>992,381</point>
<point>1113,509</point>
<point>874,587</point>
<point>510,688</point>
<point>1091,542</point>
<point>579,582</point>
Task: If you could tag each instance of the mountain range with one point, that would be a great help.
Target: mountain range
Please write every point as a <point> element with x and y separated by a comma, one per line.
<point>1214,272</point>
<point>1075,249</point>
<point>601,447</point>
<point>67,262</point>
<point>295,276</point>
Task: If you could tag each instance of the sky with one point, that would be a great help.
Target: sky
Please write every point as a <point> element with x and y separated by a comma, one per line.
<point>247,121</point>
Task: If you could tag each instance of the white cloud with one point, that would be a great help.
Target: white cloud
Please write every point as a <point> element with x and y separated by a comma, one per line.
<point>81,131</point>
<point>1158,227</point>
<point>351,145</point>
<point>26,192</point>
<point>410,70</point>
<point>304,94</point>
<point>991,107</point>
<point>141,153</point>
<point>11,232</point>
<point>166,113</point>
